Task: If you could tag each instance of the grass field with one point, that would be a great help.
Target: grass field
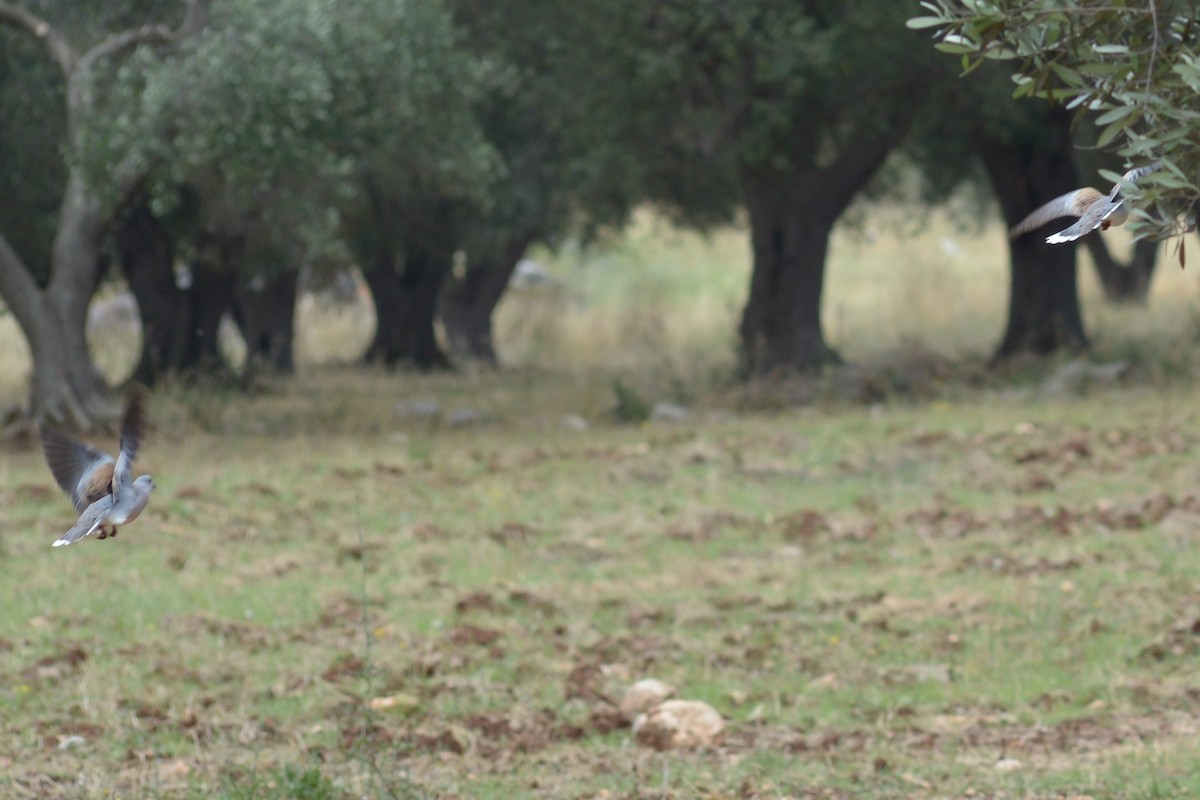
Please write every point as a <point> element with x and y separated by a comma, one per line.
<point>987,592</point>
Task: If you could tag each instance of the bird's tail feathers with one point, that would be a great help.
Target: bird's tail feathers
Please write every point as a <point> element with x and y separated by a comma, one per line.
<point>77,533</point>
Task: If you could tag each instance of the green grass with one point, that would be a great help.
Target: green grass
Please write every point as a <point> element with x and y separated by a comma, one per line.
<point>873,597</point>
<point>968,589</point>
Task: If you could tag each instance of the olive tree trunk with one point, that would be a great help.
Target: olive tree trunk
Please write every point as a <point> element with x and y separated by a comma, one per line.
<point>406,300</point>
<point>179,322</point>
<point>792,214</point>
<point>67,388</point>
<point>264,309</point>
<point>467,305</point>
<point>1127,282</point>
<point>210,296</point>
<point>781,324</point>
<point>146,253</point>
<point>1043,308</point>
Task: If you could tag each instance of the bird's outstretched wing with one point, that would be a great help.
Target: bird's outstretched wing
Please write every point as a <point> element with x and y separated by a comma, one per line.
<point>132,427</point>
<point>1062,206</point>
<point>82,471</point>
<point>1133,175</point>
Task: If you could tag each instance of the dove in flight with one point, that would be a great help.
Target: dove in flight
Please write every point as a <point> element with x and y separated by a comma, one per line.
<point>102,488</point>
<point>1095,210</point>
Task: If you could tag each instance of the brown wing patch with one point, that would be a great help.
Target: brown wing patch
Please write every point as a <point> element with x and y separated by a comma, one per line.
<point>99,485</point>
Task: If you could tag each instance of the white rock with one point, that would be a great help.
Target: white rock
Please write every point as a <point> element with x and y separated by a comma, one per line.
<point>575,422</point>
<point>417,408</point>
<point>69,742</point>
<point>115,314</point>
<point>669,412</point>
<point>464,417</point>
<point>644,695</point>
<point>677,724</point>
<point>1078,375</point>
<point>531,273</point>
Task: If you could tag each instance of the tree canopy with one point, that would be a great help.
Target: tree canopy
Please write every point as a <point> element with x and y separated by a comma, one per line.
<point>783,110</point>
<point>1132,68</point>
<point>430,142</point>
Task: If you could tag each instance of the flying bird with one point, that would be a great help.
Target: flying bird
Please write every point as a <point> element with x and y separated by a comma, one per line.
<point>102,488</point>
<point>1095,210</point>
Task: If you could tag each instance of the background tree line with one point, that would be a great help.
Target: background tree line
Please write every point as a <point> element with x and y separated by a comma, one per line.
<point>247,141</point>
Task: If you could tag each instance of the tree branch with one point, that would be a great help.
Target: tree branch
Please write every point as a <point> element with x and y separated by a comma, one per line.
<point>196,19</point>
<point>80,94</point>
<point>129,177</point>
<point>859,160</point>
<point>119,42</point>
<point>17,286</point>
<point>55,43</point>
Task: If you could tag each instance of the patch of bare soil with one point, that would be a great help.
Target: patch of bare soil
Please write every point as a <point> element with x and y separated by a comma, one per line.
<point>1021,566</point>
<point>975,736</point>
<point>251,636</point>
<point>54,667</point>
<point>496,735</point>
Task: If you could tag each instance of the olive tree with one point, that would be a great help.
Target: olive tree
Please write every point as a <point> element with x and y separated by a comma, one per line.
<point>66,386</point>
<point>784,110</point>
<point>245,180</point>
<point>416,160</point>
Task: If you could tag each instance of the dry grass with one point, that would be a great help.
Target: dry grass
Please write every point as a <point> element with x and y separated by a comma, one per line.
<point>883,602</point>
<point>664,302</point>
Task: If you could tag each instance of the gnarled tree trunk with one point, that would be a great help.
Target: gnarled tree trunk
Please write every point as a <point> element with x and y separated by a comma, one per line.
<point>147,256</point>
<point>467,305</point>
<point>264,309</point>
<point>1128,282</point>
<point>180,322</point>
<point>67,389</point>
<point>406,301</point>
<point>781,324</point>
<point>425,272</point>
<point>209,295</point>
<point>792,214</point>
<point>1043,308</point>
<point>387,293</point>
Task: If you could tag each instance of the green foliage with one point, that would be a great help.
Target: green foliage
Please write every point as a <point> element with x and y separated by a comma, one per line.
<point>402,106</point>
<point>1136,66</point>
<point>701,93</point>
<point>277,114</point>
<point>32,127</point>
<point>405,108</point>
<point>34,104</point>
<point>560,168</point>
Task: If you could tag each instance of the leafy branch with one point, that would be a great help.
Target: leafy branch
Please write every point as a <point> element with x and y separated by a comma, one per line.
<point>1134,71</point>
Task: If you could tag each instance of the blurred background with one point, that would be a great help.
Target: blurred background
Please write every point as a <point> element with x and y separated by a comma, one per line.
<point>715,193</point>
